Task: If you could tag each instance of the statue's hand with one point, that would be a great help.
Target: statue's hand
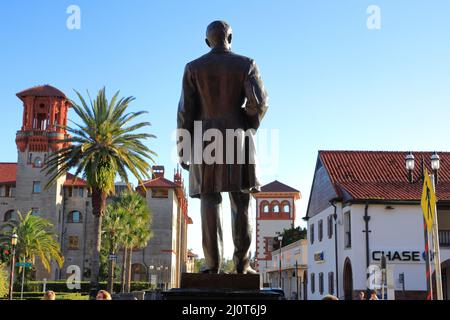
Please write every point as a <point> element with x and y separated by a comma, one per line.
<point>184,166</point>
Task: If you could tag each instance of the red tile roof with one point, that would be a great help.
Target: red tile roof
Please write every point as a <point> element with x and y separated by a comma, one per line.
<point>381,175</point>
<point>41,91</point>
<point>71,180</point>
<point>160,182</point>
<point>8,175</point>
<point>277,186</point>
<point>8,172</point>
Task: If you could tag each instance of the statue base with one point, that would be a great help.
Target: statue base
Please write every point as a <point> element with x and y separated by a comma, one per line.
<point>198,286</point>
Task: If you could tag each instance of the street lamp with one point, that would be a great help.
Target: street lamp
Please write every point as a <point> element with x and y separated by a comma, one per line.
<point>280,239</point>
<point>167,278</point>
<point>383,274</point>
<point>435,165</point>
<point>409,161</point>
<point>150,273</point>
<point>13,262</point>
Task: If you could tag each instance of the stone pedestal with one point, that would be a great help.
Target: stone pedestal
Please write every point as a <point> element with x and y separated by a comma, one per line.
<point>197,286</point>
<point>219,281</point>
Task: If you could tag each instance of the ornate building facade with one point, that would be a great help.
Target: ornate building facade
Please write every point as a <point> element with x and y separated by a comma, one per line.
<point>67,204</point>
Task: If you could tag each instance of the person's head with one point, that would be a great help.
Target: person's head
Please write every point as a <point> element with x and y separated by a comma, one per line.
<point>49,295</point>
<point>362,295</point>
<point>103,295</point>
<point>218,34</point>
<point>373,293</point>
<point>330,297</point>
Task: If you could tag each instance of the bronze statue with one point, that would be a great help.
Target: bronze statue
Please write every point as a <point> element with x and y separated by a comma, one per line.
<point>223,92</point>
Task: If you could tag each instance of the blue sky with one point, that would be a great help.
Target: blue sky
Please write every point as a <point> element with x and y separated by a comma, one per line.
<point>332,82</point>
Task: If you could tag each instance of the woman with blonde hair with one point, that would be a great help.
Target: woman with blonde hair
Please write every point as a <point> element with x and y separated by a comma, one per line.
<point>103,295</point>
<point>49,295</point>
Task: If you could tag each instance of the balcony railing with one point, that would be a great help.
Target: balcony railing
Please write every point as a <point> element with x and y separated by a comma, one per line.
<point>444,238</point>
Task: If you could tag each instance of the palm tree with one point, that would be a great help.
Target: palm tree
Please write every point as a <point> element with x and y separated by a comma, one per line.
<point>104,144</point>
<point>113,231</point>
<point>135,230</point>
<point>36,238</point>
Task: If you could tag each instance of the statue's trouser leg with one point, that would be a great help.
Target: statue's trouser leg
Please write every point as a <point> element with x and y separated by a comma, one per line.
<point>212,238</point>
<point>242,233</point>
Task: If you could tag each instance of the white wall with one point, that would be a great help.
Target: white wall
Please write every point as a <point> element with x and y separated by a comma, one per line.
<point>397,229</point>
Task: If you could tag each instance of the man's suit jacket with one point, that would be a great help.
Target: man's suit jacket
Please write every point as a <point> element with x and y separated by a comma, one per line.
<point>224,91</point>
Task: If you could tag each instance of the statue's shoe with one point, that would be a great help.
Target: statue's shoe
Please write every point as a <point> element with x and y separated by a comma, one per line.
<point>247,270</point>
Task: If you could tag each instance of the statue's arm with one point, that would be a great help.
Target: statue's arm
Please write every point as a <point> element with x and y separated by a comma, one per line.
<point>185,116</point>
<point>257,99</point>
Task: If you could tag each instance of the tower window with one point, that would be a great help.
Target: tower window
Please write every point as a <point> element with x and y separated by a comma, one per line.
<point>265,207</point>
<point>35,211</point>
<point>37,162</point>
<point>286,207</point>
<point>275,207</point>
<point>36,187</point>
<point>74,217</point>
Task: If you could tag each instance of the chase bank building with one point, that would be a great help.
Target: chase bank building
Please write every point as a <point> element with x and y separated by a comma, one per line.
<point>366,205</point>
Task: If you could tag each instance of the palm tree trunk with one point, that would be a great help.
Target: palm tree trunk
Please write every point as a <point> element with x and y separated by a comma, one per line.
<point>98,209</point>
<point>111,267</point>
<point>124,264</point>
<point>130,255</point>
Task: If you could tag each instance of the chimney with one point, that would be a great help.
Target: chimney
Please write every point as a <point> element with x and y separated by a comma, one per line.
<point>157,172</point>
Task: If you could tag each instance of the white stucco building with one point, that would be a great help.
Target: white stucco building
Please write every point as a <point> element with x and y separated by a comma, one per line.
<point>287,270</point>
<point>361,205</point>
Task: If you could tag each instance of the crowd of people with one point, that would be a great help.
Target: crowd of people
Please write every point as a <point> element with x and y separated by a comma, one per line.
<point>361,295</point>
<point>101,295</point>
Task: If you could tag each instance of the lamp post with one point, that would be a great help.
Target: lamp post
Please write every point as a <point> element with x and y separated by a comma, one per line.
<point>168,281</point>
<point>280,239</point>
<point>13,262</point>
<point>383,274</point>
<point>435,165</point>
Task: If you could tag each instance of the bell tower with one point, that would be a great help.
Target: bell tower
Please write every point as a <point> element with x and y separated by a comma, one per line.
<point>275,211</point>
<point>44,117</point>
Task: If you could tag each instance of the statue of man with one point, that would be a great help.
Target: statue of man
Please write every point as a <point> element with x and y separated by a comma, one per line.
<point>222,93</point>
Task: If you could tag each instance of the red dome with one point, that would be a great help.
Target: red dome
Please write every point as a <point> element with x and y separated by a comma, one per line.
<point>41,91</point>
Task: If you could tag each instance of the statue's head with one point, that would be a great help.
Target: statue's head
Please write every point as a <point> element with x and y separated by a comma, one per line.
<point>218,34</point>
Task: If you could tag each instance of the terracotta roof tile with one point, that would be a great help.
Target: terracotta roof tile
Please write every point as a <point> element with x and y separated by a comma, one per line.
<point>160,182</point>
<point>71,181</point>
<point>369,175</point>
<point>41,91</point>
<point>8,172</point>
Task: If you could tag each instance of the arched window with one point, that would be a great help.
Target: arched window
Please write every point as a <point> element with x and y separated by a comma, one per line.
<point>275,207</point>
<point>38,162</point>
<point>286,207</point>
<point>74,217</point>
<point>8,215</point>
<point>265,207</point>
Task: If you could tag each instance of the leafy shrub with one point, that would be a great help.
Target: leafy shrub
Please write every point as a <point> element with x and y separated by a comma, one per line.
<point>3,281</point>
<point>61,286</point>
